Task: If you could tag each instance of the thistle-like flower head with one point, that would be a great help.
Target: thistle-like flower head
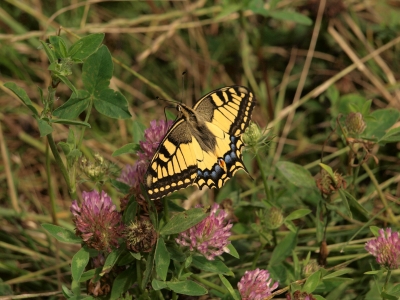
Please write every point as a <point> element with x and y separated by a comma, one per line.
<point>210,236</point>
<point>386,248</point>
<point>97,221</point>
<point>256,285</point>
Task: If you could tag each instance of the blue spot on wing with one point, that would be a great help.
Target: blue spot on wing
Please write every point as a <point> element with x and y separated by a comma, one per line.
<point>216,171</point>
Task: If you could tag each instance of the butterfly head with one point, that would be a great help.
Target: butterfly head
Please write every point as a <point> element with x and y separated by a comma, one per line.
<point>186,112</point>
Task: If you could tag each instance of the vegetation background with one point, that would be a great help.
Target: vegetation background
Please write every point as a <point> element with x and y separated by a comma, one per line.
<point>304,60</point>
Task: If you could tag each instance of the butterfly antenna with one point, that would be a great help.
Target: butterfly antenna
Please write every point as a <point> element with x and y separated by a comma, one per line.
<point>183,85</point>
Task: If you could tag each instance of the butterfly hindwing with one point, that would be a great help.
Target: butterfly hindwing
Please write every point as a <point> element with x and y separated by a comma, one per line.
<point>225,162</point>
<point>229,108</point>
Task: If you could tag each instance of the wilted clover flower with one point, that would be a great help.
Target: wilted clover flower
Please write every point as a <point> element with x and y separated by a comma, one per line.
<point>256,285</point>
<point>355,123</point>
<point>152,138</point>
<point>140,236</point>
<point>210,236</point>
<point>386,248</point>
<point>298,295</point>
<point>97,221</point>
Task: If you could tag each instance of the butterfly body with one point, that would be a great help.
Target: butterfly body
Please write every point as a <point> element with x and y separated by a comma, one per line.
<point>203,147</point>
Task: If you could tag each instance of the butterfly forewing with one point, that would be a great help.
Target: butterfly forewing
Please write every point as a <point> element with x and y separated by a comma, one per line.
<point>173,166</point>
<point>229,108</point>
<point>205,150</point>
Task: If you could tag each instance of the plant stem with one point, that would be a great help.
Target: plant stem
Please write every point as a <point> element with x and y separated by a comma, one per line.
<point>50,187</point>
<point>88,111</point>
<point>380,193</point>
<point>253,266</point>
<point>71,188</point>
<point>208,283</point>
<point>264,178</point>
<point>388,274</point>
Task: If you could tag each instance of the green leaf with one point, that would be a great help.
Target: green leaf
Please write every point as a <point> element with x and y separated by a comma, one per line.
<point>366,107</point>
<point>65,147</point>
<point>345,202</point>
<point>22,95</point>
<point>66,292</point>
<point>229,9</point>
<point>383,120</point>
<point>257,7</point>
<point>290,225</point>
<point>130,211</point>
<point>59,46</point>
<point>184,220</point>
<point>74,106</point>
<point>348,101</point>
<point>232,251</point>
<point>86,46</point>
<point>228,286</point>
<point>123,282</point>
<point>96,75</point>
<point>88,274</point>
<point>158,285</point>
<point>296,174</point>
<point>70,122</point>
<point>67,83</point>
<point>374,272</point>
<point>283,249</point>
<point>149,270</point>
<point>79,263</point>
<point>162,258</point>
<point>375,230</point>
<point>187,288</point>
<point>62,234</point>
<point>286,15</point>
<point>49,52</point>
<point>138,131</point>
<point>354,203</point>
<point>44,127</point>
<point>333,94</point>
<point>121,186</point>
<point>338,273</point>
<point>388,296</point>
<point>128,148</point>
<point>111,260</point>
<point>213,266</point>
<point>312,282</point>
<point>188,261</point>
<point>329,170</point>
<point>97,71</point>
<point>111,104</point>
<point>392,136</point>
<point>297,214</point>
<point>126,259</point>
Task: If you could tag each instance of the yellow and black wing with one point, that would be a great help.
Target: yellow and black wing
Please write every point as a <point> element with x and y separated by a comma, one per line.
<point>229,108</point>
<point>227,113</point>
<point>174,164</point>
<point>203,147</point>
